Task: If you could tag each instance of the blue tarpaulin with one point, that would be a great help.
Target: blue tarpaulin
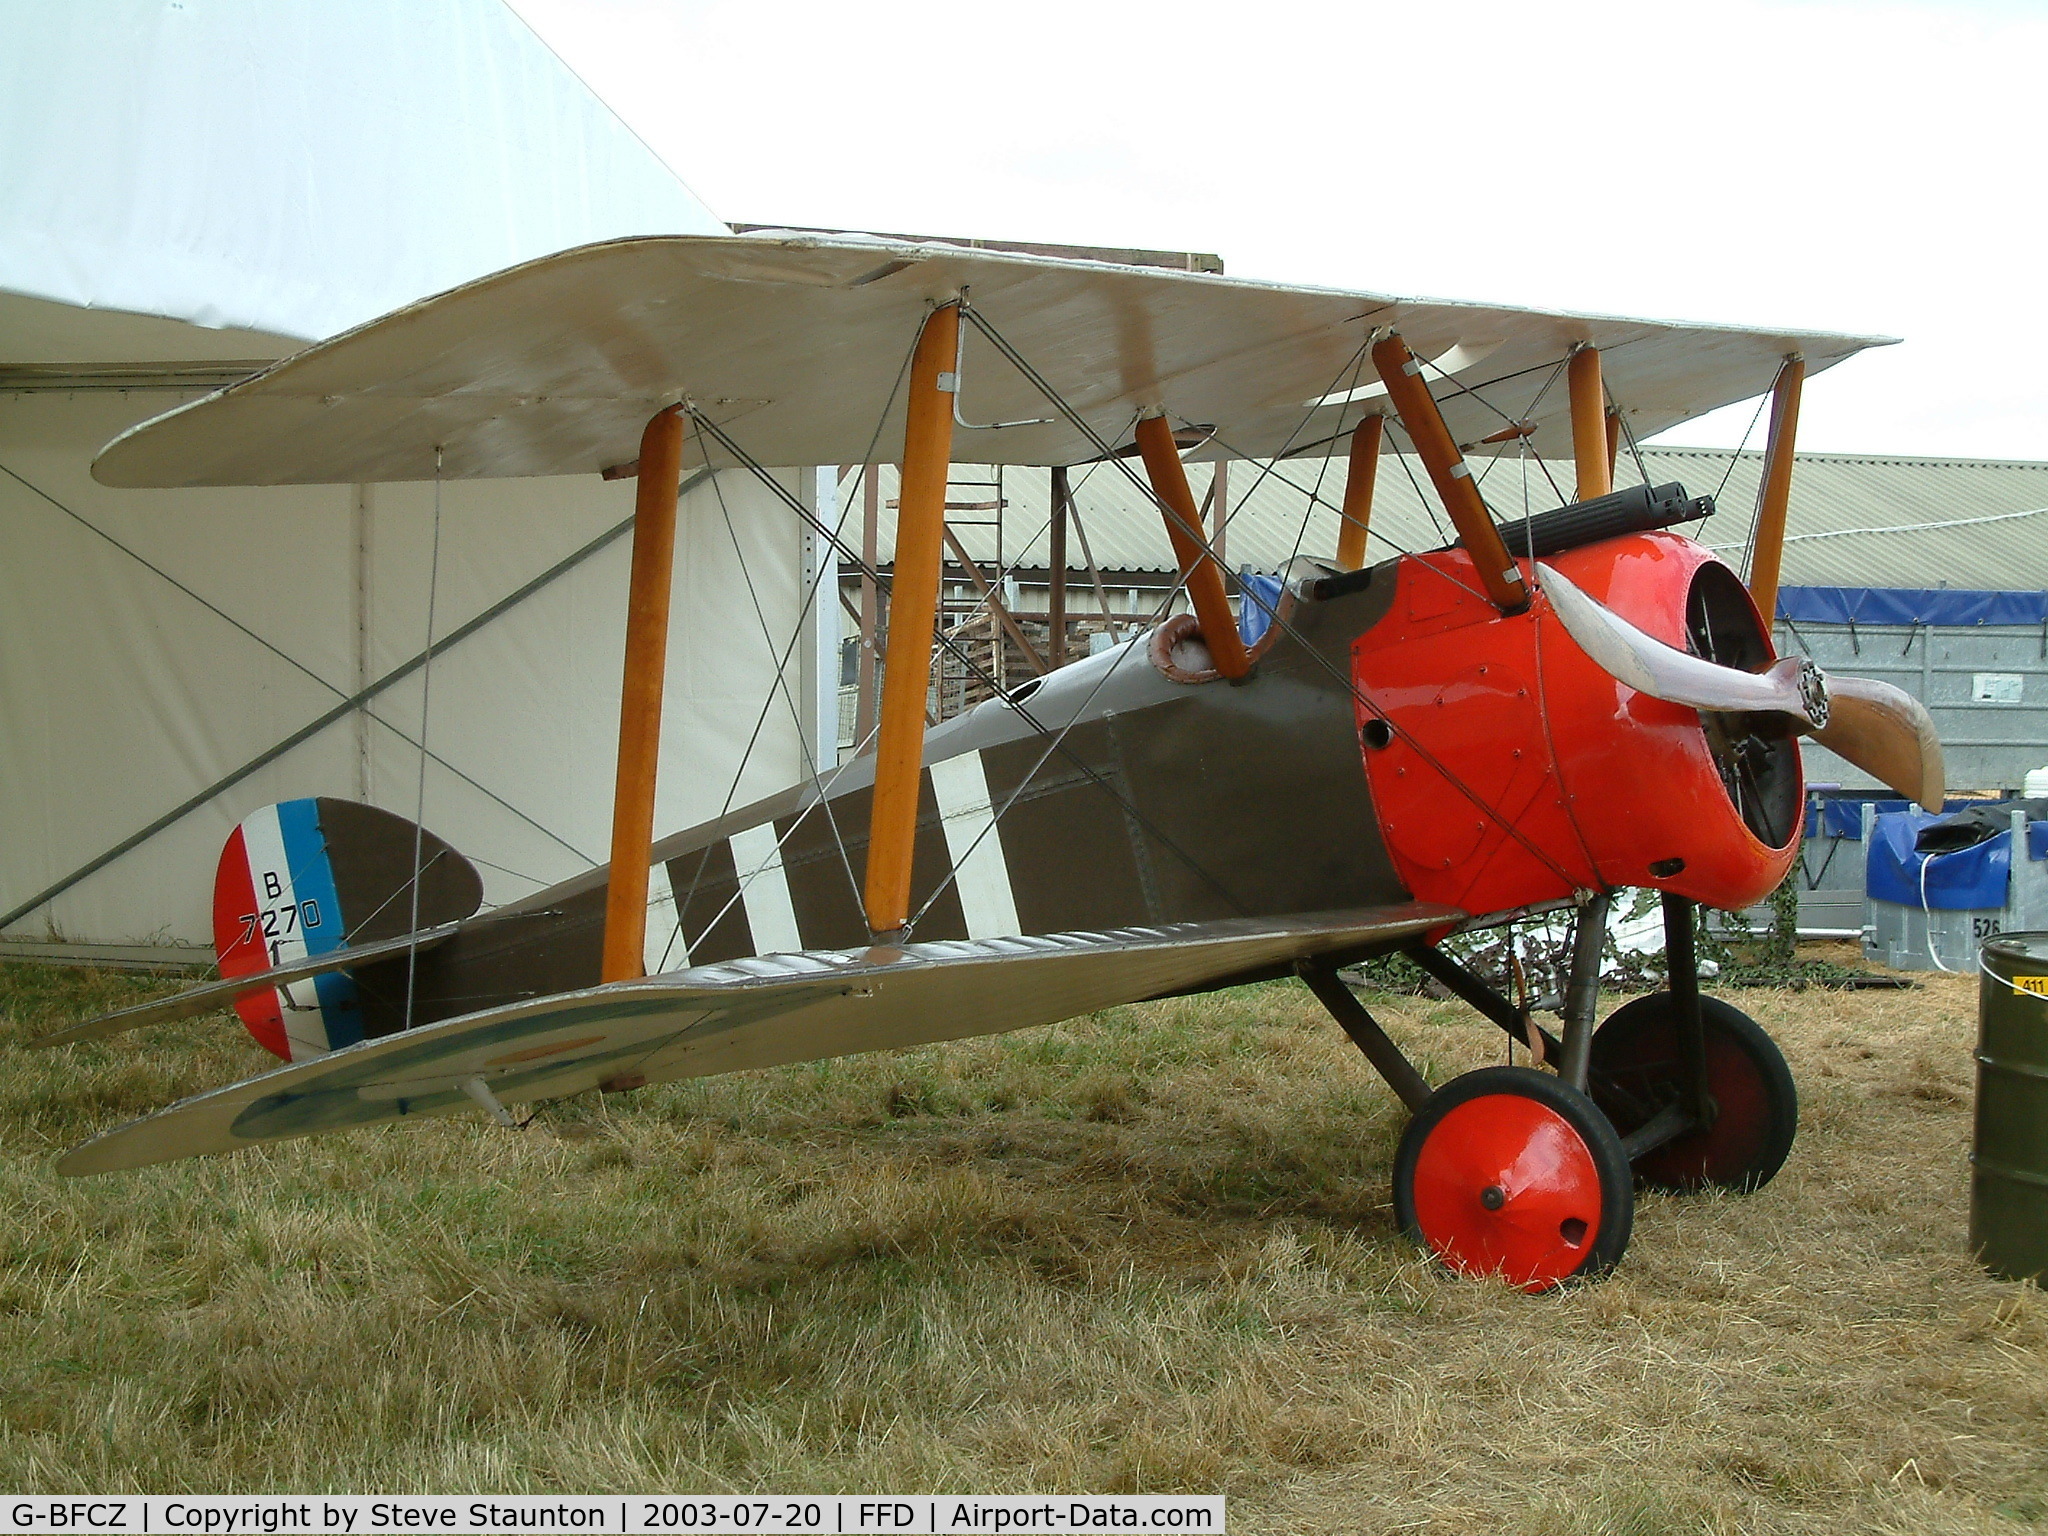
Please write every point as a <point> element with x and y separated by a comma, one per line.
<point>1968,880</point>
<point>1255,610</point>
<point>1940,606</point>
<point>1844,818</point>
<point>1842,815</point>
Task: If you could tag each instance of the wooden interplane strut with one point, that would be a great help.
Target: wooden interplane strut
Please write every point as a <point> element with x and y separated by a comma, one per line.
<point>1198,568</point>
<point>1769,552</point>
<point>1358,483</point>
<point>913,608</point>
<point>1590,432</point>
<point>1438,450</point>
<point>654,559</point>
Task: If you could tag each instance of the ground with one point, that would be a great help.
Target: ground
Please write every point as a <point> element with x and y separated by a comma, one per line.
<point>1145,1251</point>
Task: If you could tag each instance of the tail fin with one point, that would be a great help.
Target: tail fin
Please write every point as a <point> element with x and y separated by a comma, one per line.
<point>304,877</point>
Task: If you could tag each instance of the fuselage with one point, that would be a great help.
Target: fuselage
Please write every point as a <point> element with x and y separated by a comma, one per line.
<point>1401,741</point>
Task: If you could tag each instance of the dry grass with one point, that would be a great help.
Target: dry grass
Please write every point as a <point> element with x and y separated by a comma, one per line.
<point>1145,1251</point>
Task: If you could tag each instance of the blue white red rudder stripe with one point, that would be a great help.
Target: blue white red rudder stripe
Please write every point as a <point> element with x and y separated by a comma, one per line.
<point>307,877</point>
<point>274,902</point>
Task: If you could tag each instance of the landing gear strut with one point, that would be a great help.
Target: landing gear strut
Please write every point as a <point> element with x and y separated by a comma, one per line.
<point>1514,1172</point>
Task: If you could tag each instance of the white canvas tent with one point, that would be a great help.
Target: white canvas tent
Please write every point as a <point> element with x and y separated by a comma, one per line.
<point>188,189</point>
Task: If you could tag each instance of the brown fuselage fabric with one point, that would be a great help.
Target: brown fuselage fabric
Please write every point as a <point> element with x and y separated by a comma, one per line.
<point>1122,798</point>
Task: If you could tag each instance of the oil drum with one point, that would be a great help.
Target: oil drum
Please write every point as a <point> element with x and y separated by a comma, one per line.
<point>2009,1176</point>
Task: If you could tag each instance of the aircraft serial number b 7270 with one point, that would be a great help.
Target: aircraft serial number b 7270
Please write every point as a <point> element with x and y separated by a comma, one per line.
<point>1532,718</point>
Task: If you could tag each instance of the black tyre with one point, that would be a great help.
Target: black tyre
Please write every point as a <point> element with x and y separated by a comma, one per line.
<point>1508,1171</point>
<point>1635,1070</point>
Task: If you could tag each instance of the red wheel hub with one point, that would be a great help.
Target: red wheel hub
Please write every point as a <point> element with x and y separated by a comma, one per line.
<point>1506,1186</point>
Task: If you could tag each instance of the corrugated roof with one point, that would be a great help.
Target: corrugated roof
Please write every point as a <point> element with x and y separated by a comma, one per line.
<point>1856,520</point>
<point>1859,520</point>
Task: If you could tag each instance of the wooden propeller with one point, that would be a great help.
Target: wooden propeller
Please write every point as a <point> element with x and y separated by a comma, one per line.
<point>1883,730</point>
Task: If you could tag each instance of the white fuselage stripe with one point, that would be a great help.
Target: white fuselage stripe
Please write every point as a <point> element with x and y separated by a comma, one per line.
<point>665,948</point>
<point>974,844</point>
<point>764,891</point>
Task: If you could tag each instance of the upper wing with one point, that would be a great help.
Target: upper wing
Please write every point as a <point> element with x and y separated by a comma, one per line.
<point>746,1013</point>
<point>216,994</point>
<point>554,367</point>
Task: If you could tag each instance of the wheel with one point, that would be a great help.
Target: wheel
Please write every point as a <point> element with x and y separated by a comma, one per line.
<point>1508,1171</point>
<point>1634,1070</point>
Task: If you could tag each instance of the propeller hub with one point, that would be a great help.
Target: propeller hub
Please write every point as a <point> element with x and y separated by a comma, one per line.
<point>1813,693</point>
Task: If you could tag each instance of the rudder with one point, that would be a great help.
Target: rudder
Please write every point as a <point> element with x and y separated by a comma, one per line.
<point>304,877</point>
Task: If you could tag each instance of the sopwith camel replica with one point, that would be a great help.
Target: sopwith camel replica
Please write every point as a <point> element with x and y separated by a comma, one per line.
<point>1532,719</point>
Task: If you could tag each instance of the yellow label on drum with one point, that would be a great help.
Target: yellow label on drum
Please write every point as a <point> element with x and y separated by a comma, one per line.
<point>2033,986</point>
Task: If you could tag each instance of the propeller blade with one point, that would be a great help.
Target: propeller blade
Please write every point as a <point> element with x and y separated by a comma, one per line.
<point>1887,733</point>
<point>1883,730</point>
<point>1792,685</point>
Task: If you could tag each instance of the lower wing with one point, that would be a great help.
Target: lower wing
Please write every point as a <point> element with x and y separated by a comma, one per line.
<point>760,1012</point>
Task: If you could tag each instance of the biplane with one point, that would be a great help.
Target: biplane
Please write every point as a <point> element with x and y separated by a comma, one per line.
<point>1541,714</point>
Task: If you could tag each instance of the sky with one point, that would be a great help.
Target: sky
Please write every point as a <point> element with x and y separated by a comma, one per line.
<point>1872,168</point>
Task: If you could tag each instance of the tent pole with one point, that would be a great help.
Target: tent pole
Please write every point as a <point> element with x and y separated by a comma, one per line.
<point>913,607</point>
<point>1769,553</point>
<point>1219,515</point>
<point>1198,568</point>
<point>1402,375</point>
<point>654,558</point>
<point>1358,481</point>
<point>1056,571</point>
<point>870,603</point>
<point>1589,424</point>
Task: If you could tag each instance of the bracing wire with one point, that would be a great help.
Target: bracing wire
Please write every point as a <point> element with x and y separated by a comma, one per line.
<point>1536,629</point>
<point>981,605</point>
<point>767,704</point>
<point>832,537</point>
<point>1056,742</point>
<point>419,831</point>
<point>1315,492</point>
<point>1314,495</point>
<point>291,661</point>
<point>1106,456</point>
<point>1747,432</point>
<point>827,570</point>
<point>1347,684</point>
<point>974,669</point>
<point>1322,472</point>
<point>1635,449</point>
<point>1268,468</point>
<point>1524,452</point>
<point>1088,552</point>
<point>823,785</point>
<point>1316,499</point>
<point>1422,499</point>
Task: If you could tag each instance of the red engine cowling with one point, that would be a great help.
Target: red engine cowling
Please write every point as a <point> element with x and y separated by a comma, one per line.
<point>1508,769</point>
